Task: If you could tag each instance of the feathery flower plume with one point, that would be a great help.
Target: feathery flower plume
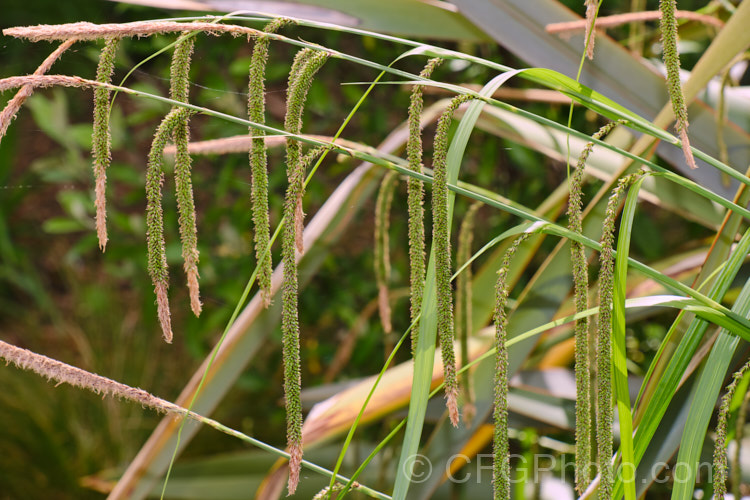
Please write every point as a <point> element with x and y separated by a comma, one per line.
<point>63,373</point>
<point>382,254</point>
<point>672,62</point>
<point>179,91</point>
<point>102,140</point>
<point>11,109</point>
<point>441,241</point>
<point>604,413</point>
<point>415,189</point>
<point>590,35</point>
<point>464,327</point>
<point>90,31</point>
<point>581,284</point>
<point>500,446</point>
<point>256,109</point>
<point>157,257</point>
<point>306,64</point>
<point>720,446</point>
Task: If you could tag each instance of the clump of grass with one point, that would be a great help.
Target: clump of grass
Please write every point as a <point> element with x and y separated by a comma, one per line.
<point>442,244</point>
<point>415,188</point>
<point>581,284</point>
<point>382,253</point>
<point>672,63</point>
<point>720,446</point>
<point>180,85</point>
<point>259,158</point>
<point>604,414</point>
<point>500,446</point>
<point>464,327</point>
<point>101,140</point>
<point>305,66</point>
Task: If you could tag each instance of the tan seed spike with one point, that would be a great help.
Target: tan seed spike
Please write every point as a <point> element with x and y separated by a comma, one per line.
<point>162,304</point>
<point>11,109</point>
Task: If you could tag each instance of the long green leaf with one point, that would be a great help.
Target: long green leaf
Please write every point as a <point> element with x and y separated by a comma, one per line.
<point>619,352</point>
<point>669,380</point>
<point>703,400</point>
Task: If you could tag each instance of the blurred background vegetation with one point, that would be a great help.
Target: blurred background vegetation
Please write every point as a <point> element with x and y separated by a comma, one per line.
<point>60,296</point>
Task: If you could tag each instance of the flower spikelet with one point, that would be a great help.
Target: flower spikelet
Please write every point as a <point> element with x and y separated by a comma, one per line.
<point>672,63</point>
<point>101,137</point>
<point>415,189</point>
<point>464,327</point>
<point>306,63</point>
<point>180,85</point>
<point>500,447</point>
<point>382,254</point>
<point>441,242</point>
<point>157,258</point>
<point>259,159</point>
<point>580,279</point>
<point>720,446</point>
<point>604,414</point>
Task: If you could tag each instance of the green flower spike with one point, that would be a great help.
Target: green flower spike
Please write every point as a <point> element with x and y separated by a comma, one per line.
<point>382,254</point>
<point>500,446</point>
<point>306,64</point>
<point>183,180</point>
<point>259,159</point>
<point>604,415</point>
<point>157,258</point>
<point>415,200</point>
<point>441,241</point>
<point>672,62</point>
<point>590,34</point>
<point>464,327</point>
<point>720,446</point>
<point>101,138</point>
<point>581,281</point>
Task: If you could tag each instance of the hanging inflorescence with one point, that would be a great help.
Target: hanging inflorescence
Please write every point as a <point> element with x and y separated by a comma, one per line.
<point>259,159</point>
<point>415,189</point>
<point>442,246</point>
<point>306,64</point>
<point>720,446</point>
<point>464,326</point>
<point>672,63</point>
<point>500,446</point>
<point>581,283</point>
<point>592,6</point>
<point>604,411</point>
<point>180,85</point>
<point>174,125</point>
<point>382,253</point>
<point>101,140</point>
